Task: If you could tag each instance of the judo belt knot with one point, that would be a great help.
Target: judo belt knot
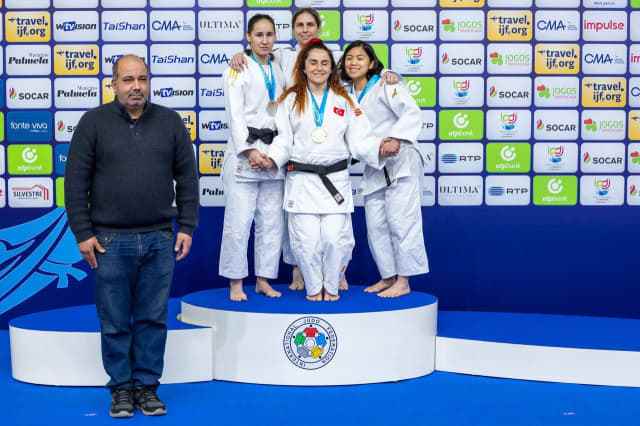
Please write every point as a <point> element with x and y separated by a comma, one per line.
<point>265,135</point>
<point>322,172</point>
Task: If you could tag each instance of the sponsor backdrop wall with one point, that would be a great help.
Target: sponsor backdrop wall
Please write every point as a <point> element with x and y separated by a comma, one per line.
<point>531,137</point>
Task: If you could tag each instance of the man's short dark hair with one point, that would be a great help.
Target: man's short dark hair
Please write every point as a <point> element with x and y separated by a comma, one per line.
<point>128,56</point>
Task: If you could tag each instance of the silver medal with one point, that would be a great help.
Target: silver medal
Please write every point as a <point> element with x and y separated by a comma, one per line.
<point>319,135</point>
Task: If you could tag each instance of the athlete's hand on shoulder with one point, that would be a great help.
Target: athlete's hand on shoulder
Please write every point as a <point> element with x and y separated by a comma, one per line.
<point>390,77</point>
<point>238,62</point>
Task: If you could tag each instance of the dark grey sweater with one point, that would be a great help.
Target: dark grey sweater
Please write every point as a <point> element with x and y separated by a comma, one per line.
<point>119,174</point>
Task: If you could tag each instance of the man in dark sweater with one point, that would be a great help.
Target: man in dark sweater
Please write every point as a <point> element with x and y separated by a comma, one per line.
<point>124,159</point>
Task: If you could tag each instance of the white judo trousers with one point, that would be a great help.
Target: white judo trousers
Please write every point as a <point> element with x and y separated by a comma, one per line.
<point>393,197</point>
<point>251,196</point>
<point>320,230</point>
<point>246,203</point>
<point>394,225</point>
<point>287,252</point>
<point>286,56</point>
<point>321,243</point>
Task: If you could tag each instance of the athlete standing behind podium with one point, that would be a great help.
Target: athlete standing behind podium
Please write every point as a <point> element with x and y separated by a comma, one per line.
<point>319,130</point>
<point>251,193</point>
<point>306,24</point>
<point>392,195</point>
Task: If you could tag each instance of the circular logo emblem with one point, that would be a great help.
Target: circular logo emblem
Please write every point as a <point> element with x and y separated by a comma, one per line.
<point>310,343</point>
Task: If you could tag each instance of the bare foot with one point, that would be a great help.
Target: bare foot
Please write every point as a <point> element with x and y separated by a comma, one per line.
<point>400,288</point>
<point>237,294</point>
<point>343,285</point>
<point>263,287</point>
<point>315,297</point>
<point>380,285</point>
<point>328,297</point>
<point>297,281</point>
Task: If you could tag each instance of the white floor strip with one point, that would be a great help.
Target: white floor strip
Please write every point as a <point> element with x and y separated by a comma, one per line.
<point>543,363</point>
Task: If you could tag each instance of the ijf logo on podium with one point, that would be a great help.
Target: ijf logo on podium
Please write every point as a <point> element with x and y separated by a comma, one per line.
<point>310,343</point>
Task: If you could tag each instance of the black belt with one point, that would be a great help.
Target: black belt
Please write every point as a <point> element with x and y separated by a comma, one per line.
<point>322,172</point>
<point>265,135</point>
<point>386,172</point>
<point>386,175</point>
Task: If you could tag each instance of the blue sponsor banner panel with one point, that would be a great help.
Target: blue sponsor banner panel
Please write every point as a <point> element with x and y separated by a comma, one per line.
<point>29,126</point>
<point>530,137</point>
<point>60,158</point>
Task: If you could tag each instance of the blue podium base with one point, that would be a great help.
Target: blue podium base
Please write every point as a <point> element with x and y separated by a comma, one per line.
<point>366,339</point>
<point>352,301</point>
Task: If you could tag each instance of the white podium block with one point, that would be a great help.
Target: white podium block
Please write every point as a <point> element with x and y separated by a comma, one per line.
<point>361,338</point>
<point>62,347</point>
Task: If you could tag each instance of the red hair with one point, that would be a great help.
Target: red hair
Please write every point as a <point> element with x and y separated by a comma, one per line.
<point>300,81</point>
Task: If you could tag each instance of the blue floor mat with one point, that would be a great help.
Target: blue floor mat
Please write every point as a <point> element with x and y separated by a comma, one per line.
<point>438,399</point>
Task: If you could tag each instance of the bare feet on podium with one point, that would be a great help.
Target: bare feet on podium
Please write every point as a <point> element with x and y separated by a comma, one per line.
<point>399,288</point>
<point>297,282</point>
<point>236,292</point>
<point>380,285</point>
<point>328,297</point>
<point>263,287</point>
<point>315,297</point>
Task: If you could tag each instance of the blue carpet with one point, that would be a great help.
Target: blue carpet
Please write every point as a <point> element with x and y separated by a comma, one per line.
<point>293,302</point>
<point>83,319</point>
<point>544,330</point>
<point>438,399</point>
<point>528,329</point>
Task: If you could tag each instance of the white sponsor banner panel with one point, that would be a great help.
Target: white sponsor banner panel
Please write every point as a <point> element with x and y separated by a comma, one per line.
<point>562,76</point>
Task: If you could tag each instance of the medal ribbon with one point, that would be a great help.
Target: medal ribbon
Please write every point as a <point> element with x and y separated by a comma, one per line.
<point>318,111</point>
<point>372,82</point>
<point>270,83</point>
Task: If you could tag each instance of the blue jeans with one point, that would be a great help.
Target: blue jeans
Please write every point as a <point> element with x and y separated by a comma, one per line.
<point>133,281</point>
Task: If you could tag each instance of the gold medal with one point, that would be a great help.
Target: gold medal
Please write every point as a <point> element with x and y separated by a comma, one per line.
<point>319,135</point>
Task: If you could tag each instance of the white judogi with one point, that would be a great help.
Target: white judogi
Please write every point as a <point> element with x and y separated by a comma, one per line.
<point>286,56</point>
<point>393,207</point>
<point>250,195</point>
<point>319,227</point>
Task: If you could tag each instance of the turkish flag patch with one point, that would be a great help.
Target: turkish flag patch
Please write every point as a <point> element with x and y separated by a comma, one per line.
<point>338,111</point>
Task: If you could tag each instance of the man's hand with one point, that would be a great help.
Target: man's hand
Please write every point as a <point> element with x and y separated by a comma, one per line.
<point>88,248</point>
<point>183,245</point>
<point>238,62</point>
<point>389,147</point>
